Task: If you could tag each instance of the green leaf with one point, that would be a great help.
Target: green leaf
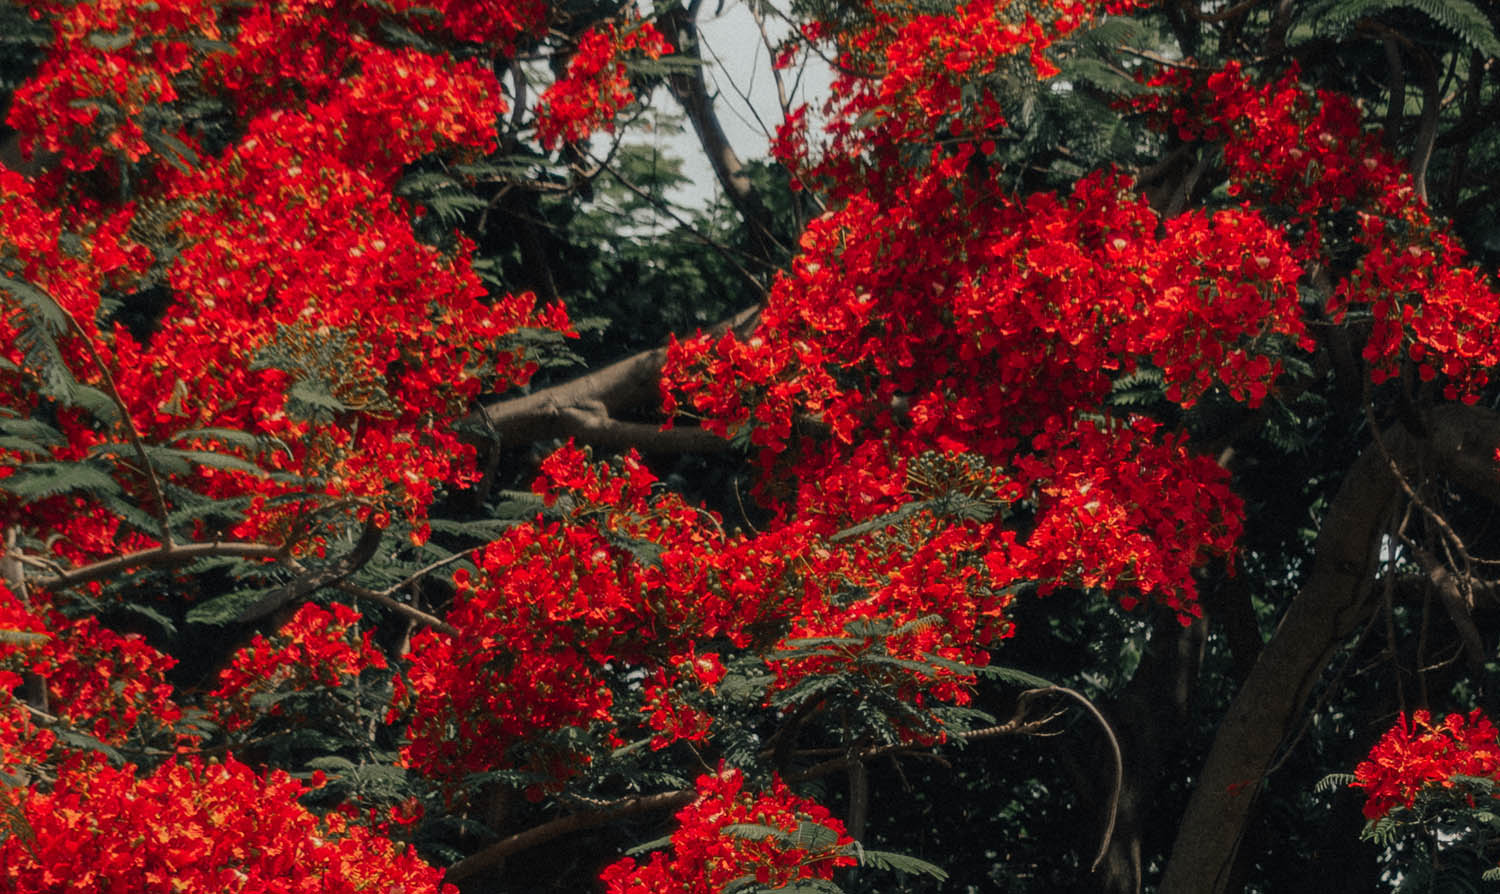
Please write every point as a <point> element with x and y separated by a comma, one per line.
<point>901,863</point>
<point>224,461</point>
<point>1462,17</point>
<point>42,322</point>
<point>151,614</point>
<point>316,394</point>
<point>172,150</point>
<point>82,740</point>
<point>1102,75</point>
<point>1334,781</point>
<point>224,609</point>
<point>652,845</point>
<point>1015,677</point>
<point>112,41</point>
<point>29,436</point>
<point>332,763</point>
<point>748,885</point>
<point>38,481</point>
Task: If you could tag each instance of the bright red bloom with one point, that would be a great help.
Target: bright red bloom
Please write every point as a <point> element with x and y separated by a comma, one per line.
<point>707,852</point>
<point>1417,754</point>
<point>192,826</point>
<point>596,85</point>
<point>316,648</point>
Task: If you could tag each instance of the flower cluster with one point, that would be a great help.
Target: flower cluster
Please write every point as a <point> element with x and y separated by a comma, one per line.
<point>557,605</point>
<point>194,826</point>
<point>918,79</point>
<point>1307,153</point>
<point>891,306</point>
<point>1417,754</point>
<point>312,650</point>
<point>596,85</point>
<point>729,834</point>
<point>111,686</point>
<point>302,306</point>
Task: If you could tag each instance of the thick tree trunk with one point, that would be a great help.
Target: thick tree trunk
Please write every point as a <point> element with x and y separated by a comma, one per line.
<point>1151,708</point>
<point>1461,448</point>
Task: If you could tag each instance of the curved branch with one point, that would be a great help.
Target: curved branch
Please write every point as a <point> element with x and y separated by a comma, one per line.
<point>492,855</point>
<point>589,819</point>
<point>1114,746</point>
<point>586,407</point>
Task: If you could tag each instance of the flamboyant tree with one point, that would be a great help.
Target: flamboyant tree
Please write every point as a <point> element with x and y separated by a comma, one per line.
<point>1110,384</point>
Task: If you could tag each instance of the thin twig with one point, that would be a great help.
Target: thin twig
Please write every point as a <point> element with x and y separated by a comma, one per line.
<point>615,810</point>
<point>726,252</point>
<point>426,569</point>
<point>400,608</point>
<point>176,554</point>
<point>1432,514</point>
<point>126,419</point>
<point>1114,746</point>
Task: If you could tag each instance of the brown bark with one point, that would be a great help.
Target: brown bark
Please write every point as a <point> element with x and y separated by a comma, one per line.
<point>1152,706</point>
<point>690,89</point>
<point>587,408</point>
<point>1335,598</point>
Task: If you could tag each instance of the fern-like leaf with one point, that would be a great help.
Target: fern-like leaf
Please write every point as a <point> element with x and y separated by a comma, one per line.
<point>901,863</point>
<point>1333,782</point>
<point>1462,17</point>
<point>42,322</point>
<point>38,481</point>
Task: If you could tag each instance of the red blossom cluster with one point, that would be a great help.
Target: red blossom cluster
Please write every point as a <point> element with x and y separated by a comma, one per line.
<point>892,306</point>
<point>557,603</point>
<point>1417,754</point>
<point>632,580</point>
<point>596,86</point>
<point>708,853</point>
<point>109,685</point>
<point>192,826</point>
<point>302,314</point>
<point>293,269</point>
<point>906,77</point>
<point>312,650</point>
<point>1307,153</point>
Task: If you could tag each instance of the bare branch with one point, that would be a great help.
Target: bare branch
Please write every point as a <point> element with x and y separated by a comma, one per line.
<point>126,420</point>
<point>309,581</point>
<point>160,557</point>
<point>400,608</point>
<point>588,819</point>
<point>586,407</point>
<point>690,89</point>
<point>609,812</point>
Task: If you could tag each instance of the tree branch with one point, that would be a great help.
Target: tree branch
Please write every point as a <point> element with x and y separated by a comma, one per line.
<point>1326,611</point>
<point>400,608</point>
<point>690,89</point>
<point>588,819</point>
<point>586,407</point>
<point>496,853</point>
<point>160,557</point>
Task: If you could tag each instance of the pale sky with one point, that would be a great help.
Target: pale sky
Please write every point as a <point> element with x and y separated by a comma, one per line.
<point>746,100</point>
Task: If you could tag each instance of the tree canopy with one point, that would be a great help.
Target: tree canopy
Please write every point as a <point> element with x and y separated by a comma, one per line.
<point>1071,462</point>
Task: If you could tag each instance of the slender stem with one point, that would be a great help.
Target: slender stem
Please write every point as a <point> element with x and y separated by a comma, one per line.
<point>173,554</point>
<point>400,608</point>
<point>614,810</point>
<point>126,419</point>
